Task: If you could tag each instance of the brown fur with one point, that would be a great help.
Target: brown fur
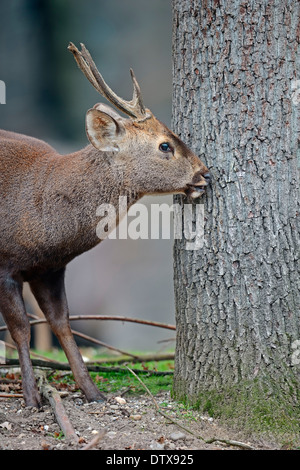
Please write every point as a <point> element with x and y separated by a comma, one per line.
<point>48,216</point>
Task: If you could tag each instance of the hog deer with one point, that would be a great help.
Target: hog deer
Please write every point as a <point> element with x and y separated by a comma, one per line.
<point>48,206</point>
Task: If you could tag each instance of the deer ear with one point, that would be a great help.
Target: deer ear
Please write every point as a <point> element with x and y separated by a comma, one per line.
<point>103,130</point>
<point>105,108</point>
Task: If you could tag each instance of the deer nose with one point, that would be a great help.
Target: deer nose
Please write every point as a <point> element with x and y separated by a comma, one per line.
<point>207,177</point>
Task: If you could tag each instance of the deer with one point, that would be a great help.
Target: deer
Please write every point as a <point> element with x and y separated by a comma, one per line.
<point>48,204</point>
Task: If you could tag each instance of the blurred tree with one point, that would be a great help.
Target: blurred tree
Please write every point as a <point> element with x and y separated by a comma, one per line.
<point>235,66</point>
<point>29,67</point>
<point>46,96</point>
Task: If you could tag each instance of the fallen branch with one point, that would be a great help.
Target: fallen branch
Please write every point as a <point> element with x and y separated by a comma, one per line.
<point>52,395</point>
<point>92,367</point>
<point>38,320</point>
<point>96,368</point>
<point>32,353</point>
<point>11,395</point>
<point>111,318</point>
<point>142,358</point>
<point>207,441</point>
<point>81,335</point>
<point>105,345</point>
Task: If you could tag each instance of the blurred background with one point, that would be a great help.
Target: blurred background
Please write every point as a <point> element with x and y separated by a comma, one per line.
<point>47,97</point>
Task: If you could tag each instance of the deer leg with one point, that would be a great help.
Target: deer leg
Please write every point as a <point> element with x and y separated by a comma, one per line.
<point>49,291</point>
<point>13,310</point>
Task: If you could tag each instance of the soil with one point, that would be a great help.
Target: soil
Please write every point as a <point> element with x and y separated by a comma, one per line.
<point>133,424</point>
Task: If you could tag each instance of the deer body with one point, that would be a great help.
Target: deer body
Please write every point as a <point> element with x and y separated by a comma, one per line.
<point>49,212</point>
<point>48,205</point>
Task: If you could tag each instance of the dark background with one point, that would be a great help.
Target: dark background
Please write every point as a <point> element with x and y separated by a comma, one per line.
<point>47,96</point>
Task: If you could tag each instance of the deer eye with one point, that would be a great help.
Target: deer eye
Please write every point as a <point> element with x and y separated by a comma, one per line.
<point>165,147</point>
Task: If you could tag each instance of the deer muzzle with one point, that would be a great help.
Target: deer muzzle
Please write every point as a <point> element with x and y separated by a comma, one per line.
<point>198,185</point>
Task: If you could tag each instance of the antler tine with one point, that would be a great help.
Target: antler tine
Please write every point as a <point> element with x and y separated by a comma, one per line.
<point>137,96</point>
<point>83,65</point>
<point>133,108</point>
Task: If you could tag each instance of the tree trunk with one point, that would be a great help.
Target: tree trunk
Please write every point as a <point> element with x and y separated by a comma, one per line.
<point>237,101</point>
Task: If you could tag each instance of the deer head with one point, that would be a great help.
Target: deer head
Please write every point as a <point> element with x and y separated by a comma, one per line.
<point>154,159</point>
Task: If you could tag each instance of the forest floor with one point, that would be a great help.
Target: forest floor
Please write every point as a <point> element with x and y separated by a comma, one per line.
<point>132,418</point>
<point>134,425</point>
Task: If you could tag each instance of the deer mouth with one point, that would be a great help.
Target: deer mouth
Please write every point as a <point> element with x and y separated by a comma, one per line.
<point>195,190</point>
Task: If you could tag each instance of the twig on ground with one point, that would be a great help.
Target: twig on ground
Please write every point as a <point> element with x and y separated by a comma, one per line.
<point>125,391</point>
<point>207,441</point>
<point>142,358</point>
<point>12,346</point>
<point>97,368</point>
<point>111,318</point>
<point>11,395</point>
<point>94,441</point>
<point>92,367</point>
<point>101,343</point>
<point>52,395</point>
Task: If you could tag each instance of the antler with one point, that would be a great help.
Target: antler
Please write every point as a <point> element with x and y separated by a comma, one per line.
<point>134,108</point>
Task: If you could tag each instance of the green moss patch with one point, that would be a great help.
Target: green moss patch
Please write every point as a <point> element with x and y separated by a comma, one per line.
<point>257,407</point>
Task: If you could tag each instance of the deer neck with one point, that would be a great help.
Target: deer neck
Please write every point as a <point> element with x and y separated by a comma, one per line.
<point>78,185</point>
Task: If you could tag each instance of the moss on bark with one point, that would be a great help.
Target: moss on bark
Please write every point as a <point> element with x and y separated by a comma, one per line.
<point>260,408</point>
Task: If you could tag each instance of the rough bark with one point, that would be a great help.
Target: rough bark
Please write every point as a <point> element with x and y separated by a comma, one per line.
<point>236,100</point>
